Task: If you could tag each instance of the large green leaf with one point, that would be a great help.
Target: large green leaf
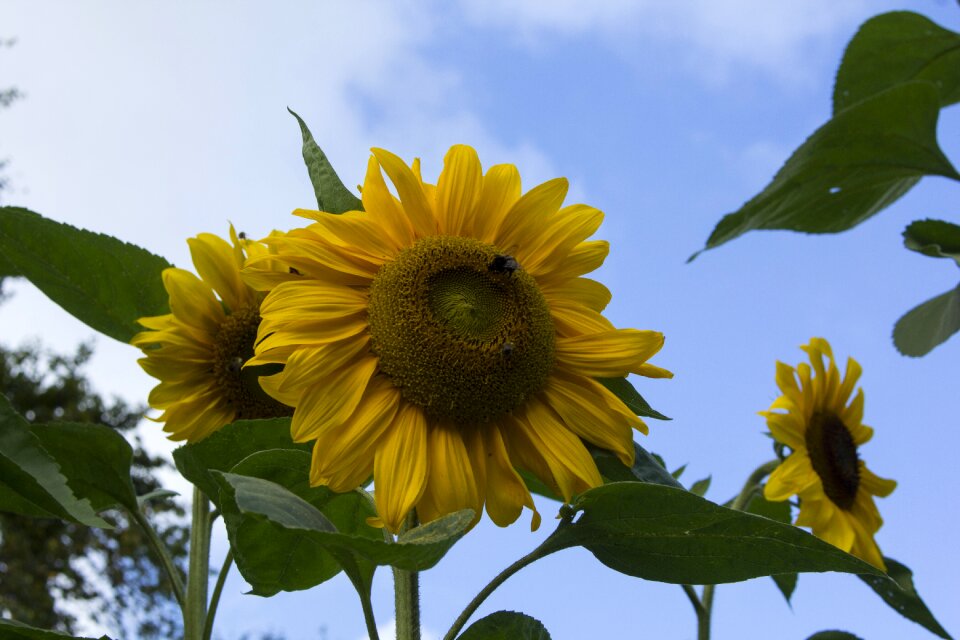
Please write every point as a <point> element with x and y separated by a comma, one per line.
<point>95,460</point>
<point>416,550</point>
<point>895,48</point>
<point>506,625</point>
<point>779,512</point>
<point>102,281</point>
<point>934,238</point>
<point>228,446</point>
<point>31,481</point>
<point>854,166</point>
<point>628,394</point>
<point>274,558</point>
<point>645,467</point>
<point>834,634</point>
<point>13,630</point>
<point>332,195</point>
<point>670,535</point>
<point>902,596</point>
<point>928,325</point>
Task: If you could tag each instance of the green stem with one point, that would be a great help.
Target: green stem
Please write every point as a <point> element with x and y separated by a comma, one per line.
<point>215,598</point>
<point>406,586</point>
<point>198,576</point>
<point>372,633</point>
<point>694,599</point>
<point>166,560</point>
<point>545,549</point>
<point>749,489</point>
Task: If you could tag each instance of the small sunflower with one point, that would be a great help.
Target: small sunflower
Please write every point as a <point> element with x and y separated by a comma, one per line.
<point>198,351</point>
<point>442,339</point>
<point>824,469</point>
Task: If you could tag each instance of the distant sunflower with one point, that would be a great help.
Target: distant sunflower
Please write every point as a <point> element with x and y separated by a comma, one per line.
<point>824,469</point>
<point>198,351</point>
<point>445,338</point>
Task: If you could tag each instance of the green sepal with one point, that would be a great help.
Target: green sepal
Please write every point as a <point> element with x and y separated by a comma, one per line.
<point>894,48</point>
<point>33,483</point>
<point>332,195</point>
<point>13,630</point>
<point>227,446</point>
<point>834,634</point>
<point>670,535</point>
<point>851,168</point>
<point>506,625</point>
<point>700,487</point>
<point>900,593</point>
<point>934,238</point>
<point>273,558</point>
<point>928,325</point>
<point>104,282</point>
<point>628,394</point>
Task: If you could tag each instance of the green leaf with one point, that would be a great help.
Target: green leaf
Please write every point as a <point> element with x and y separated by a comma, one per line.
<point>628,394</point>
<point>95,459</point>
<point>833,634</point>
<point>670,535</point>
<point>902,596</point>
<point>13,630</point>
<point>31,482</point>
<point>928,325</point>
<point>851,168</point>
<point>228,446</point>
<point>895,48</point>
<point>416,550</point>
<point>506,625</point>
<point>156,494</point>
<point>332,195</point>
<point>273,558</point>
<point>102,281</point>
<point>700,487</point>
<point>676,473</point>
<point>934,238</point>
<point>780,512</point>
<point>645,467</point>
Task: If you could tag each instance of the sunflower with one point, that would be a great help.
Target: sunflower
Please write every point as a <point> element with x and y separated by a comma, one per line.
<point>443,339</point>
<point>197,351</point>
<point>824,469</point>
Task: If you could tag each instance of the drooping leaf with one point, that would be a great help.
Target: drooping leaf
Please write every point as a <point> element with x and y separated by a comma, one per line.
<point>95,460</point>
<point>670,535</point>
<point>902,596</point>
<point>506,625</point>
<point>228,446</point>
<point>158,494</point>
<point>645,467</point>
<point>851,168</point>
<point>894,48</point>
<point>928,325</point>
<point>628,394</point>
<point>13,630</point>
<point>934,238</point>
<point>332,195</point>
<point>31,482</point>
<point>834,634</point>
<point>273,558</point>
<point>780,512</point>
<point>102,281</point>
<point>416,550</point>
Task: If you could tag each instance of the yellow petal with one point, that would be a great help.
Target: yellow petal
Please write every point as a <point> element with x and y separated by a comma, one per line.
<point>332,401</point>
<point>523,224</point>
<point>584,258</point>
<point>507,493</point>
<point>501,189</point>
<point>458,189</point>
<point>650,371</point>
<point>192,300</point>
<point>589,293</point>
<point>451,484</point>
<point>561,233</point>
<point>792,476</point>
<point>195,420</point>
<point>400,466</point>
<point>874,484</point>
<point>786,428</point>
<point>310,365</point>
<point>415,204</point>
<point>608,354</point>
<point>213,257</point>
<point>384,208</point>
<point>573,319</point>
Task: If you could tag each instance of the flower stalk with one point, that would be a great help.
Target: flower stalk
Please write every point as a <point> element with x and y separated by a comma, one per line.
<point>195,611</point>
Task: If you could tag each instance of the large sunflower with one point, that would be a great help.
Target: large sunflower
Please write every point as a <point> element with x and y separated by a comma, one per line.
<point>824,469</point>
<point>442,339</point>
<point>198,350</point>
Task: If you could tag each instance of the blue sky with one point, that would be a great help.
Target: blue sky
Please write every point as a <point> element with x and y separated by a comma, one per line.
<point>156,121</point>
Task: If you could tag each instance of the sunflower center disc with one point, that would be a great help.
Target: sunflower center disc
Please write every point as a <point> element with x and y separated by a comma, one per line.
<point>459,336</point>
<point>240,387</point>
<point>833,454</point>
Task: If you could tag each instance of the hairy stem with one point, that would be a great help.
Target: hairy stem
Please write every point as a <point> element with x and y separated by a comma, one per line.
<point>166,560</point>
<point>199,571</point>
<point>407,594</point>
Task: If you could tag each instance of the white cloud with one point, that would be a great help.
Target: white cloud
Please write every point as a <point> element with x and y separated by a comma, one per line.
<point>714,37</point>
<point>389,630</point>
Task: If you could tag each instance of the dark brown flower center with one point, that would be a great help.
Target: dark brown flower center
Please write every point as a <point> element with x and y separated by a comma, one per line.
<point>833,454</point>
<point>461,329</point>
<point>240,387</point>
